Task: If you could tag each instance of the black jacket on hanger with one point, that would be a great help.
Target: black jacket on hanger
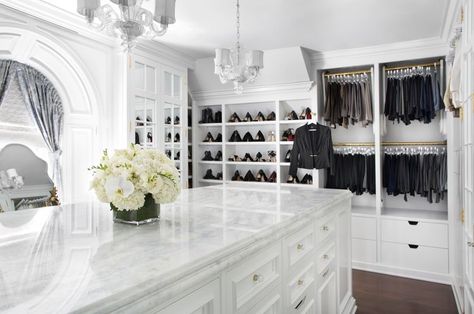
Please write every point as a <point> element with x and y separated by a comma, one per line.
<point>312,149</point>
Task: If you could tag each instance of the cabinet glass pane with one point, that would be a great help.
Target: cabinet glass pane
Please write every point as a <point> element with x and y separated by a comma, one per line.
<point>168,86</point>
<point>139,76</point>
<point>176,86</point>
<point>150,79</point>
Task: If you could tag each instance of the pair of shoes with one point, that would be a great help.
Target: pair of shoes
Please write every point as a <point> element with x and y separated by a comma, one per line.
<point>261,176</point>
<point>273,177</point>
<point>208,117</point>
<point>234,118</point>
<point>291,116</point>
<point>237,176</point>
<point>306,114</point>
<point>235,137</point>
<point>176,138</point>
<point>235,158</point>
<point>271,116</point>
<point>138,121</point>
<point>292,179</point>
<point>210,176</point>
<point>307,179</point>
<point>168,120</point>
<point>168,138</point>
<point>178,156</point>
<point>272,154</point>
<point>208,156</point>
<point>288,135</point>
<point>210,139</point>
<point>249,176</point>
<point>288,156</point>
<point>176,120</point>
<point>168,153</point>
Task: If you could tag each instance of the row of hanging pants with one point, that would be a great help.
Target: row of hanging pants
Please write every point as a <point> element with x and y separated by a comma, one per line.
<point>355,172</point>
<point>423,174</point>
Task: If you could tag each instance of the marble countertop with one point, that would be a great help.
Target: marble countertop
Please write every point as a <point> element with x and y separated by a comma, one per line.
<point>74,258</point>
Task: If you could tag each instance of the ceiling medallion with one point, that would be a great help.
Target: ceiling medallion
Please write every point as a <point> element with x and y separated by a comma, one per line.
<point>131,22</point>
<point>231,67</point>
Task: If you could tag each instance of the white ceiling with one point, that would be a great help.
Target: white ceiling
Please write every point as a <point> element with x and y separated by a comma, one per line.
<point>321,25</point>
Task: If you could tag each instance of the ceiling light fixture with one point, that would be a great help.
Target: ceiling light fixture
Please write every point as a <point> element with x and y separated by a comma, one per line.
<point>132,22</point>
<point>230,66</point>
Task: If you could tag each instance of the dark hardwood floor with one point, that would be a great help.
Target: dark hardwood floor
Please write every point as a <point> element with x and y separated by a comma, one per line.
<point>384,294</point>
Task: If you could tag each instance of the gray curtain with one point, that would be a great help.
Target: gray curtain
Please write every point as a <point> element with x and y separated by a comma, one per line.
<point>7,72</point>
<point>45,106</point>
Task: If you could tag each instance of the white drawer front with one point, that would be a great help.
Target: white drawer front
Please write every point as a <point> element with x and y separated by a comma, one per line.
<point>423,258</point>
<point>325,257</point>
<point>415,232</point>
<point>364,228</point>
<point>304,303</point>
<point>299,245</point>
<point>298,285</point>
<point>325,228</point>
<point>271,304</point>
<point>252,278</point>
<point>364,250</point>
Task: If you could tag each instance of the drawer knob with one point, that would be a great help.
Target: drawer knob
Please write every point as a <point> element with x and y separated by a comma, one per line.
<point>300,246</point>
<point>325,228</point>
<point>325,256</point>
<point>300,282</point>
<point>257,278</point>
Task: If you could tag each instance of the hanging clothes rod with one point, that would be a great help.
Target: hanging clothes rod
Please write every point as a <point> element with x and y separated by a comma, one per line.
<point>413,66</point>
<point>349,73</point>
<point>436,143</point>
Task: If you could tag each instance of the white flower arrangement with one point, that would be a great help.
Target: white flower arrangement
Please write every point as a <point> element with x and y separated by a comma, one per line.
<point>125,178</point>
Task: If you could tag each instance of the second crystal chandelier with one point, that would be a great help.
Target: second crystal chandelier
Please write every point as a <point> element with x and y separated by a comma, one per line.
<point>231,67</point>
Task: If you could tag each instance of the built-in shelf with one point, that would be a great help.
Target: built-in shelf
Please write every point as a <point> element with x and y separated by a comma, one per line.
<point>286,142</point>
<point>209,124</point>
<point>250,143</point>
<point>295,121</point>
<point>251,163</point>
<point>210,144</point>
<point>415,214</point>
<point>250,123</point>
<point>210,162</point>
<point>211,181</point>
<point>285,164</point>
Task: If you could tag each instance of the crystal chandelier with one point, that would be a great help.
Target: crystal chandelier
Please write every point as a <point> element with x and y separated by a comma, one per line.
<point>230,66</point>
<point>132,22</point>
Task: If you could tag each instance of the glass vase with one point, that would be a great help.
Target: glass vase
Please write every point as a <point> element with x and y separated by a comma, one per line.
<point>149,213</point>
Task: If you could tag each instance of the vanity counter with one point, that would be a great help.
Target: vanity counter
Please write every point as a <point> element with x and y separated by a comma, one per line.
<point>73,258</point>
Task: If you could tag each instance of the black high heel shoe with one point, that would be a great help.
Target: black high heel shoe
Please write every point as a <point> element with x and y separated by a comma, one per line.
<point>248,137</point>
<point>249,177</point>
<point>258,157</point>
<point>209,138</point>
<point>259,137</point>
<point>207,156</point>
<point>168,137</point>
<point>178,156</point>
<point>219,176</point>
<point>271,116</point>
<point>260,117</point>
<point>292,179</point>
<point>237,176</point>
<point>272,154</point>
<point>234,118</point>
<point>209,175</point>
<point>168,120</point>
<point>176,120</point>
<point>248,117</point>
<point>177,138</point>
<point>309,116</point>
<point>261,176</point>
<point>292,116</point>
<point>284,136</point>
<point>307,179</point>
<point>149,137</point>
<point>218,117</point>
<point>273,177</point>
<point>235,137</point>
<point>168,153</point>
<point>288,156</point>
<point>207,116</point>
<point>219,138</point>
<point>218,156</point>
<point>247,157</point>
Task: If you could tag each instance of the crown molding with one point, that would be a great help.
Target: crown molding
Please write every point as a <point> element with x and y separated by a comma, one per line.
<point>48,17</point>
<point>415,49</point>
<point>250,93</point>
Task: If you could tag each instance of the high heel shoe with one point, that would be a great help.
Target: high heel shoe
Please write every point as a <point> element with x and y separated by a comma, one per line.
<point>261,176</point>
<point>309,115</point>
<point>176,120</point>
<point>288,156</point>
<point>219,138</point>
<point>284,136</point>
<point>207,116</point>
<point>248,137</point>
<point>168,120</point>
<point>219,176</point>
<point>271,116</point>
<point>234,158</point>
<point>209,175</point>
<point>248,117</point>
<point>272,154</point>
<point>218,117</point>
<point>292,116</point>
<point>235,137</point>
<point>209,138</point>
<point>292,179</point>
<point>178,156</point>
<point>207,156</point>
<point>237,176</point>
<point>139,121</point>
<point>149,137</point>
<point>218,156</point>
<point>176,138</point>
<point>259,137</point>
<point>273,177</point>
<point>168,137</point>
<point>247,157</point>
<point>258,157</point>
<point>168,153</point>
<point>260,117</point>
<point>234,118</point>
<point>307,179</point>
<point>249,177</point>
<point>303,115</point>
<point>291,135</point>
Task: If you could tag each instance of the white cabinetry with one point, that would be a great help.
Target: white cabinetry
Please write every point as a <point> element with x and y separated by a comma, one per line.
<point>307,271</point>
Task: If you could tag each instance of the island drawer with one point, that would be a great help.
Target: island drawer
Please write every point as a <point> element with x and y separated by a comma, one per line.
<point>414,256</point>
<point>324,228</point>
<point>299,245</point>
<point>305,303</point>
<point>415,232</point>
<point>325,258</point>
<point>252,278</point>
<point>299,284</point>
<point>364,228</point>
<point>271,303</point>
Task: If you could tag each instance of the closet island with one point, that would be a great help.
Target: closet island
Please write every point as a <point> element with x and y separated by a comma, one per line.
<point>228,248</point>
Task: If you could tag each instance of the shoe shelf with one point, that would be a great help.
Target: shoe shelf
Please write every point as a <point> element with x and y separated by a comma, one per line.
<point>286,142</point>
<point>300,122</point>
<point>251,163</point>
<point>210,144</point>
<point>202,125</point>
<point>211,181</point>
<point>210,162</point>
<point>250,143</point>
<point>252,123</point>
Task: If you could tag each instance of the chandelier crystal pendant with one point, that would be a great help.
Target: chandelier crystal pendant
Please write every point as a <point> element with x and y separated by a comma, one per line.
<point>131,22</point>
<point>231,67</point>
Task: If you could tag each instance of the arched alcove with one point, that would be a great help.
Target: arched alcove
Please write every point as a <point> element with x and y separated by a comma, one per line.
<point>77,89</point>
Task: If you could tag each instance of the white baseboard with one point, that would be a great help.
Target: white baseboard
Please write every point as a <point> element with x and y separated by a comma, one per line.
<point>456,297</point>
<point>403,272</point>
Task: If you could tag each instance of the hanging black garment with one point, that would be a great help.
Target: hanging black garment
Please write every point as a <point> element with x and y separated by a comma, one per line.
<point>312,149</point>
<point>370,181</point>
